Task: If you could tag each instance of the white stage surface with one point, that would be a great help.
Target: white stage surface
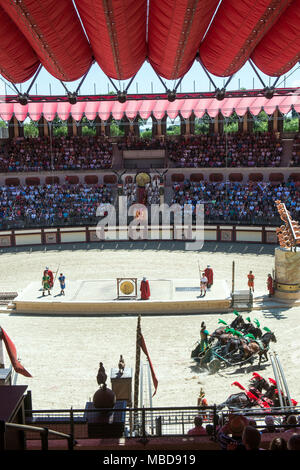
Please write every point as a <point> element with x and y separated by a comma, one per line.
<point>99,297</point>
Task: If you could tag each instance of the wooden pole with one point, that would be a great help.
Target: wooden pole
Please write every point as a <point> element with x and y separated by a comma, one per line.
<point>137,363</point>
<point>233,273</point>
<point>137,374</point>
<point>1,351</point>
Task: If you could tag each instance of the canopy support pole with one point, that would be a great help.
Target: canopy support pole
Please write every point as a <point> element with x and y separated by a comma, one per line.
<point>83,78</point>
<point>34,79</point>
<point>257,74</point>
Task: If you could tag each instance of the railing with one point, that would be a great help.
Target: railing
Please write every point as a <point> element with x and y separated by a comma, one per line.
<point>44,434</point>
<point>157,422</point>
<point>27,223</point>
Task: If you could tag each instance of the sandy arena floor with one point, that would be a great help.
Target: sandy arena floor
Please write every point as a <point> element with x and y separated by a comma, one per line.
<point>63,353</point>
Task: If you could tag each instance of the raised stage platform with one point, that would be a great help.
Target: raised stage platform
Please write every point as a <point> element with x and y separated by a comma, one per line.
<point>99,297</point>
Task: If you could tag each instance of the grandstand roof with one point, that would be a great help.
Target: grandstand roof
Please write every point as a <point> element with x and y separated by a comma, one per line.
<point>66,37</point>
<point>147,107</point>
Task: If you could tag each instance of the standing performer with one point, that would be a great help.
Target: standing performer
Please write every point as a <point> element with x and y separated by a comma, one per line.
<point>202,401</point>
<point>145,289</point>
<point>46,283</point>
<point>203,285</point>
<point>62,284</point>
<point>251,281</point>
<point>210,276</point>
<point>203,337</point>
<point>270,285</point>
<point>50,274</point>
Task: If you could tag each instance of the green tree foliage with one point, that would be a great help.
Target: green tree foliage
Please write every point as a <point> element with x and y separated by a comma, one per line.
<point>146,134</point>
<point>30,129</point>
<point>202,125</point>
<point>260,122</point>
<point>231,124</point>
<point>173,130</point>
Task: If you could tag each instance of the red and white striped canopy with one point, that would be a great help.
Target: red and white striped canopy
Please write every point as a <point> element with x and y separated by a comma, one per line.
<point>146,108</point>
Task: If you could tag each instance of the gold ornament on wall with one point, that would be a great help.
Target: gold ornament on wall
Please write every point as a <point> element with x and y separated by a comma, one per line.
<point>142,179</point>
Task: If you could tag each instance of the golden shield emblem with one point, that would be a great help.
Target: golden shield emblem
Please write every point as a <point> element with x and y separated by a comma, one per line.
<point>126,287</point>
<point>142,179</point>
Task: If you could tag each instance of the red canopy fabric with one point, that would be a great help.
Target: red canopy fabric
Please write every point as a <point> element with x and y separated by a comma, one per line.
<point>66,36</point>
<point>145,108</point>
<point>279,50</point>
<point>236,29</point>
<point>55,34</point>
<point>176,28</point>
<point>117,32</point>
<point>18,61</point>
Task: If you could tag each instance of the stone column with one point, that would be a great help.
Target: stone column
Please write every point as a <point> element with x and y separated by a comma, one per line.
<point>287,275</point>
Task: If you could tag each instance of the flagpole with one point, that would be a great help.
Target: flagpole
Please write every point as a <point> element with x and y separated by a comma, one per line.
<point>137,373</point>
<point>137,363</point>
<point>1,351</point>
<point>55,275</point>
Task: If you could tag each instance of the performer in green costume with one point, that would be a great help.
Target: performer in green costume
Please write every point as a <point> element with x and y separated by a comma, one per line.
<point>203,337</point>
<point>46,283</point>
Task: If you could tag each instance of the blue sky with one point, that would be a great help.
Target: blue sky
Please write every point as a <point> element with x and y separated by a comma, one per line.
<point>146,81</point>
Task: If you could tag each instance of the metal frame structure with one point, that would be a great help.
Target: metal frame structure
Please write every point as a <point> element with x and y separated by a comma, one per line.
<point>147,96</point>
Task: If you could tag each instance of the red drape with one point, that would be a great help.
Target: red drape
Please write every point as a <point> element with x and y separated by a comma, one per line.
<point>12,352</point>
<point>145,351</point>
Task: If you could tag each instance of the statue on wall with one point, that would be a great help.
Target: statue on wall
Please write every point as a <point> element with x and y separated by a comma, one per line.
<point>101,376</point>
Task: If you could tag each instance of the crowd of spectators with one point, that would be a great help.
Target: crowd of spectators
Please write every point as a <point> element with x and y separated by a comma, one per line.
<point>237,432</point>
<point>132,142</point>
<point>57,153</point>
<point>148,196</point>
<point>52,204</point>
<point>295,160</point>
<point>95,152</point>
<point>226,150</point>
<point>232,202</point>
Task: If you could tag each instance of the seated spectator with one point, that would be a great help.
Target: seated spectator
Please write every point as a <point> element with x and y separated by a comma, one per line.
<point>278,443</point>
<point>251,438</point>
<point>230,434</point>
<point>294,442</point>
<point>198,430</point>
<point>252,423</point>
<point>292,423</point>
<point>209,429</point>
<point>270,425</point>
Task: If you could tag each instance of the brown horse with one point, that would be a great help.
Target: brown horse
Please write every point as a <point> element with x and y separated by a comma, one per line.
<point>253,348</point>
<point>236,324</point>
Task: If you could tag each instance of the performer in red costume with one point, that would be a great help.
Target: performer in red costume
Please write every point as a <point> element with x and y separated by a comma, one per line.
<point>145,289</point>
<point>210,276</point>
<point>50,274</point>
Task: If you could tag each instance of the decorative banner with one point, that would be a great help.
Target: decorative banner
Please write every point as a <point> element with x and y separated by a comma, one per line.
<point>12,352</point>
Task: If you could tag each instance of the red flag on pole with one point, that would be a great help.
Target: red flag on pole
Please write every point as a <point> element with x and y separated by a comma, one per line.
<point>145,351</point>
<point>12,352</point>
